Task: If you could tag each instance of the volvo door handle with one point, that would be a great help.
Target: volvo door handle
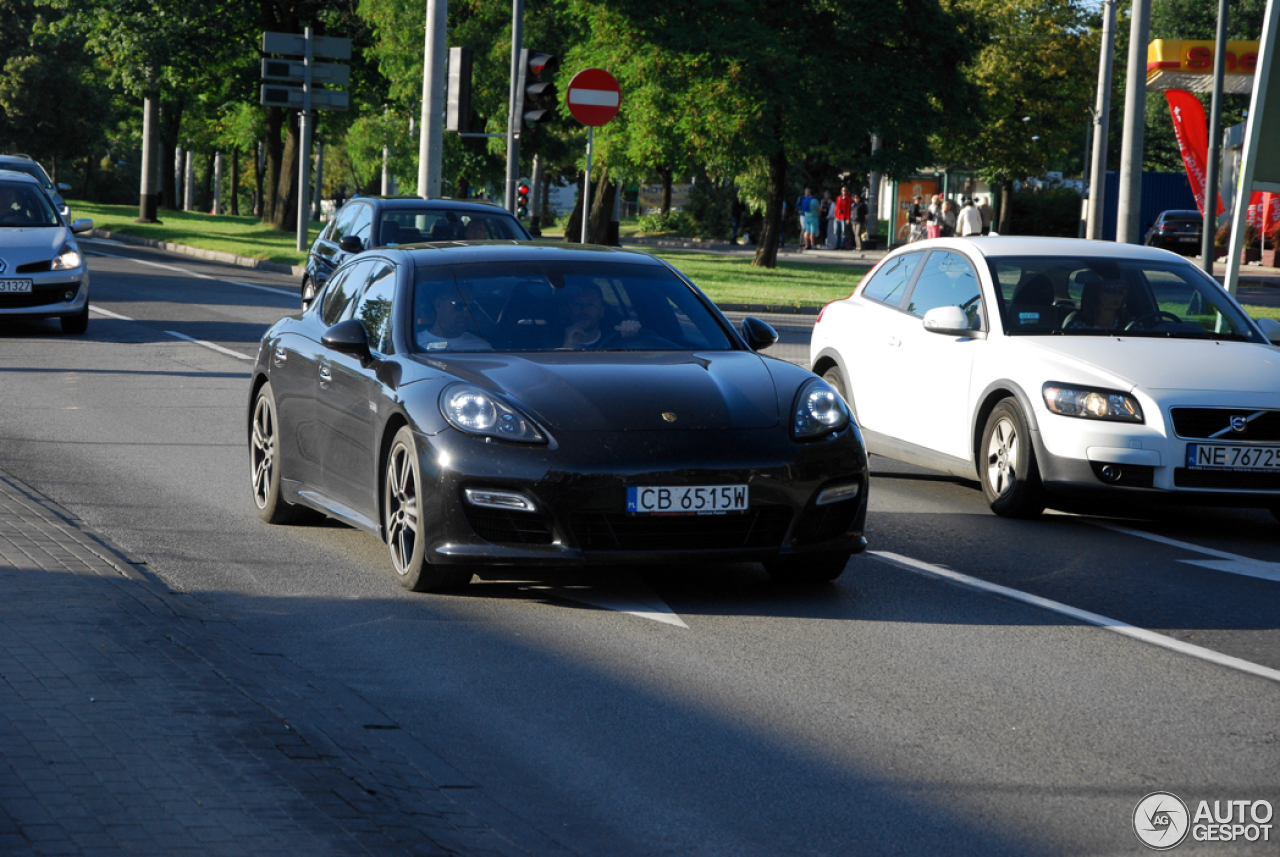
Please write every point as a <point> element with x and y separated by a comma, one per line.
<point>893,341</point>
<point>281,356</point>
<point>326,374</point>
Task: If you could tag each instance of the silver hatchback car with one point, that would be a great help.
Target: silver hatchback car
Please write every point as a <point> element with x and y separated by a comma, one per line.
<point>42,271</point>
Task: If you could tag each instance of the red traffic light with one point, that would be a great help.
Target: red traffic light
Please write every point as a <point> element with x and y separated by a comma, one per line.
<point>538,63</point>
<point>524,189</point>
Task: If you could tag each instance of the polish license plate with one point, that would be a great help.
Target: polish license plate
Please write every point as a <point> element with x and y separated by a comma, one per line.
<point>686,499</point>
<point>1204,456</point>
<point>1189,238</point>
<point>15,286</point>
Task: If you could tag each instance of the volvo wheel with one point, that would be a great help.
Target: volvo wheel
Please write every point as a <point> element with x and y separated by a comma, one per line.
<point>1007,464</point>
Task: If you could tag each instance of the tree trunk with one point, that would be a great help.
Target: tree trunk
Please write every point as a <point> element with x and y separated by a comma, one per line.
<point>573,229</point>
<point>285,217</point>
<point>771,233</point>
<point>462,188</point>
<point>665,173</point>
<point>1005,216</point>
<point>601,210</point>
<point>170,125</point>
<point>235,182</point>
<point>206,190</point>
<point>274,150</point>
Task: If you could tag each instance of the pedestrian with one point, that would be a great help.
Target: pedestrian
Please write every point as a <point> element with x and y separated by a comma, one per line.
<point>827,222</point>
<point>808,208</point>
<point>736,211</point>
<point>859,220</point>
<point>844,214</point>
<point>339,198</point>
<point>948,218</point>
<point>933,218</point>
<point>984,210</point>
<point>969,221</point>
<point>915,219</point>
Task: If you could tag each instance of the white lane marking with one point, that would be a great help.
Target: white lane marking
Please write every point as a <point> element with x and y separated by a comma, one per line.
<point>175,334</point>
<point>624,596</point>
<point>1081,615</point>
<point>217,348</point>
<point>197,275</point>
<point>1228,562</point>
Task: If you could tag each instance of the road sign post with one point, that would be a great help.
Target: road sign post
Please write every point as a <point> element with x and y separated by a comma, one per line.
<point>306,97</point>
<point>593,98</point>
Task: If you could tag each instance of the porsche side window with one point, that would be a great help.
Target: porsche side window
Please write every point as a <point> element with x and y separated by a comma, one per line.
<point>363,224</point>
<point>947,280</point>
<point>889,283</point>
<point>338,293</point>
<point>374,309</point>
<point>342,225</point>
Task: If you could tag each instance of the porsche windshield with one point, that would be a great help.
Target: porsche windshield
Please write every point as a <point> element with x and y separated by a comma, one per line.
<point>24,204</point>
<point>1073,296</point>
<point>601,306</point>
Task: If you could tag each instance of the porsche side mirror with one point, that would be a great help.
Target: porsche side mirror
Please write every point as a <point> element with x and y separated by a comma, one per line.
<point>84,224</point>
<point>1270,329</point>
<point>348,337</point>
<point>350,244</point>
<point>947,320</point>
<point>759,334</point>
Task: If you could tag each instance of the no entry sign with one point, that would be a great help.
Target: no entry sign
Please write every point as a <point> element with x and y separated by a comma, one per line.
<point>594,97</point>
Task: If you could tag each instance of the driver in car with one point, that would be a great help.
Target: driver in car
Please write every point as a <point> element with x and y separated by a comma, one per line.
<point>1102,307</point>
<point>450,330</point>
<point>586,310</point>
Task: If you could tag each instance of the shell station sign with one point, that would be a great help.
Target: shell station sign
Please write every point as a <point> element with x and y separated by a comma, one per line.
<point>1188,64</point>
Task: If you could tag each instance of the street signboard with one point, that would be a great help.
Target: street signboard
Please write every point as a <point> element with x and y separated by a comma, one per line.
<point>330,73</point>
<point>594,97</point>
<point>291,96</point>
<point>294,44</point>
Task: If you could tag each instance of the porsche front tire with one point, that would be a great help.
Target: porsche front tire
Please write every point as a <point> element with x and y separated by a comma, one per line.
<point>403,525</point>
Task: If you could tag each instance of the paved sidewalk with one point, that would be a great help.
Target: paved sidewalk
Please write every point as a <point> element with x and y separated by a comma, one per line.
<point>134,723</point>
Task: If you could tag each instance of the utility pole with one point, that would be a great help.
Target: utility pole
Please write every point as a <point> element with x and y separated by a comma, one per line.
<point>431,140</point>
<point>514,120</point>
<point>304,155</point>
<point>1215,144</point>
<point>1101,123</point>
<point>1129,208</point>
<point>148,198</point>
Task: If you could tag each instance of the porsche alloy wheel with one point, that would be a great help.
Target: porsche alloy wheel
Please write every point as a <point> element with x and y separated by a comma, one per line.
<point>402,523</point>
<point>1010,478</point>
<point>264,460</point>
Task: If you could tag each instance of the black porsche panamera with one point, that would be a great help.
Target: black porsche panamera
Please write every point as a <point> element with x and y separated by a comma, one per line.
<point>502,403</point>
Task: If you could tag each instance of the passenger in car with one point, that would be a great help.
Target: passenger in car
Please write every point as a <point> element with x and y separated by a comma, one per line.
<point>443,321</point>
<point>1102,307</point>
<point>586,310</point>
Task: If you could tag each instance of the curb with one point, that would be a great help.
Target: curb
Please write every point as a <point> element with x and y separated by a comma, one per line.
<point>208,255</point>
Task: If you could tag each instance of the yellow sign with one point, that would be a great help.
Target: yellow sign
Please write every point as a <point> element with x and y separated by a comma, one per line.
<point>1188,64</point>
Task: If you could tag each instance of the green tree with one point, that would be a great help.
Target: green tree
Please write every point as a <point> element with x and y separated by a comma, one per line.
<point>1034,73</point>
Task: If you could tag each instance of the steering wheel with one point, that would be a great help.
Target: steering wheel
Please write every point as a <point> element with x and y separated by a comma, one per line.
<point>641,341</point>
<point>1139,323</point>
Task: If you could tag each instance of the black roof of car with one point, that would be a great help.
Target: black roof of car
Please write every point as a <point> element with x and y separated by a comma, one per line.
<point>466,252</point>
<point>1181,213</point>
<point>439,202</point>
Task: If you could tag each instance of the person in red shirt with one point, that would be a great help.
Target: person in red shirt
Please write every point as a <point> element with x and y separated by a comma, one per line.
<point>844,206</point>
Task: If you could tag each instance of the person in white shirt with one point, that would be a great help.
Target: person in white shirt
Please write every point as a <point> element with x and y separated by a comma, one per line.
<point>970,221</point>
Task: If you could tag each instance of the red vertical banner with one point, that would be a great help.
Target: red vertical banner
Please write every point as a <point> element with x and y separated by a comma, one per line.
<point>1270,213</point>
<point>1193,140</point>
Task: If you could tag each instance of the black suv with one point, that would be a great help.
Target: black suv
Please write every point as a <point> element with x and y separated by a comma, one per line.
<point>1178,231</point>
<point>381,221</point>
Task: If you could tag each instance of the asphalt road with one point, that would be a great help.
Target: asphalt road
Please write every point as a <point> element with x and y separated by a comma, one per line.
<point>691,710</point>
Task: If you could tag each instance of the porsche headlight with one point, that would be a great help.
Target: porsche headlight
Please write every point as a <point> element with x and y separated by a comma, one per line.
<point>67,259</point>
<point>1092,404</point>
<point>476,412</point>
<point>818,411</point>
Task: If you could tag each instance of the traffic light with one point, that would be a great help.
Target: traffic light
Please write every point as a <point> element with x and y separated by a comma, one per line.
<point>522,200</point>
<point>535,98</point>
<point>457,115</point>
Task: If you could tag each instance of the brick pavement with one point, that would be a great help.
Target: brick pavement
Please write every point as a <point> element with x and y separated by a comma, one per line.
<point>132,722</point>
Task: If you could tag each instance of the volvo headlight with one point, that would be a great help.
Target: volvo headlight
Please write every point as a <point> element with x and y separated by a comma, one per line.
<point>1091,404</point>
<point>67,259</point>
<point>818,411</point>
<point>476,412</point>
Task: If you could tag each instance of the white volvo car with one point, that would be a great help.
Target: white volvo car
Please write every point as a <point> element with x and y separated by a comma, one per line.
<point>1048,367</point>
